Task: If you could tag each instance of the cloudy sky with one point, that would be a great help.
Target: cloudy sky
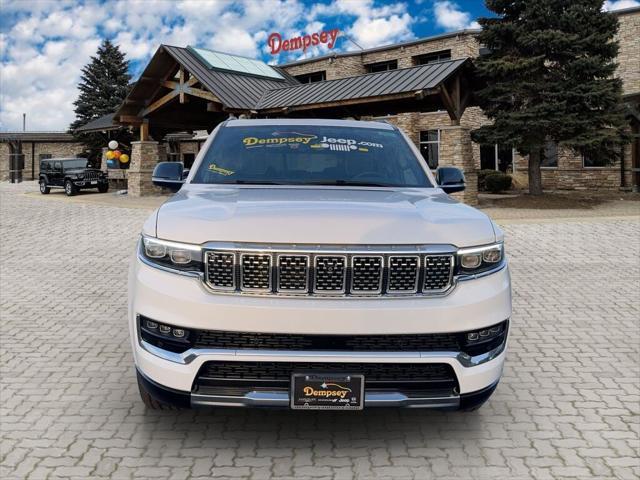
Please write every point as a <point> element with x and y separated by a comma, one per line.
<point>45,43</point>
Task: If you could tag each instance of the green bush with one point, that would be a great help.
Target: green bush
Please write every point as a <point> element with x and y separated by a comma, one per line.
<point>482,176</point>
<point>498,182</point>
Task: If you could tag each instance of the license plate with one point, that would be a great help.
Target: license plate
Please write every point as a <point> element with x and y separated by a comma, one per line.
<point>94,182</point>
<point>314,391</point>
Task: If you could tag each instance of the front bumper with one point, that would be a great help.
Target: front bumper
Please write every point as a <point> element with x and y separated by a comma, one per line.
<point>183,301</point>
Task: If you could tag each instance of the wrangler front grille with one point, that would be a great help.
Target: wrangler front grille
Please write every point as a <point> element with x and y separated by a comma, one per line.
<point>321,273</point>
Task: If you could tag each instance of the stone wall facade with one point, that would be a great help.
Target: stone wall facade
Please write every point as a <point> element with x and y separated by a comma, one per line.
<point>629,53</point>
<point>55,149</point>
<point>461,45</point>
<point>144,157</point>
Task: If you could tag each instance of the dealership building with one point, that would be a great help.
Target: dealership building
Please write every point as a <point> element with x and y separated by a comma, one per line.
<point>424,86</point>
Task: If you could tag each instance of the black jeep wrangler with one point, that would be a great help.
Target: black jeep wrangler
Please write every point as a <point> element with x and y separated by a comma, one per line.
<point>72,174</point>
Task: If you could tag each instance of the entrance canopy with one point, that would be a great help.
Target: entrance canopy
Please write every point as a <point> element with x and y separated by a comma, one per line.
<point>195,89</point>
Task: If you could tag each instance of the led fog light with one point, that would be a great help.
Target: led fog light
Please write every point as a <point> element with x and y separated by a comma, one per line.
<point>151,324</point>
<point>164,329</point>
<point>178,332</point>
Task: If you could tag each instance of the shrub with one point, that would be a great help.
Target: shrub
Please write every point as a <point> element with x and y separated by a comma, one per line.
<point>498,182</point>
<point>482,176</point>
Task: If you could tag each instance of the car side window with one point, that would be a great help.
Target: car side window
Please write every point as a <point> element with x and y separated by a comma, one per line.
<point>57,166</point>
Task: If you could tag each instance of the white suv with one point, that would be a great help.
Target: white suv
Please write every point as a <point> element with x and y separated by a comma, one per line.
<point>317,264</point>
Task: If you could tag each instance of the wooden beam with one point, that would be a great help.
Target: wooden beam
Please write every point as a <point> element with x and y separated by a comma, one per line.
<point>198,92</point>
<point>130,119</point>
<point>449,105</point>
<point>456,97</point>
<point>159,103</point>
<point>214,107</point>
<point>181,77</point>
<point>144,131</point>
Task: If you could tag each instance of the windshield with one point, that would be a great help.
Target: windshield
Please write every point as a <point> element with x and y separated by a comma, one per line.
<point>310,155</point>
<point>77,163</point>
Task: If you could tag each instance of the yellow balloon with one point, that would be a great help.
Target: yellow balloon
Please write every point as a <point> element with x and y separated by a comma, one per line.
<point>110,155</point>
<point>124,158</point>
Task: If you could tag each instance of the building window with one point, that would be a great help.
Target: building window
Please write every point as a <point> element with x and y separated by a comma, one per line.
<point>593,160</point>
<point>188,159</point>
<point>430,147</point>
<point>549,155</point>
<point>382,66</point>
<point>432,57</point>
<point>312,77</point>
<point>496,157</point>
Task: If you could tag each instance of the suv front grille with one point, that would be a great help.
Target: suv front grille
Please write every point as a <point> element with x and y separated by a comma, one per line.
<point>448,342</point>
<point>91,175</point>
<point>315,273</point>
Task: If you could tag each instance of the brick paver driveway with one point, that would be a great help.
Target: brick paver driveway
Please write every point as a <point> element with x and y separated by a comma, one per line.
<point>567,406</point>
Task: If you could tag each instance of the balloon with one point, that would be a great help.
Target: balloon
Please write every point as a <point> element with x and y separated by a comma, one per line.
<point>124,158</point>
<point>113,144</point>
<point>110,155</point>
<point>117,153</point>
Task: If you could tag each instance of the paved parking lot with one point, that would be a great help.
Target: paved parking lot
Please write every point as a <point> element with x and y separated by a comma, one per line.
<point>567,407</point>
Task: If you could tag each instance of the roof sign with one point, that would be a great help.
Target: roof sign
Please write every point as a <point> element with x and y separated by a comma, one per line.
<point>276,43</point>
<point>235,63</point>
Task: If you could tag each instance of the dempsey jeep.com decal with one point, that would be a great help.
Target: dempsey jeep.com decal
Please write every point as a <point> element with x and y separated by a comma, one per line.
<point>222,171</point>
<point>345,144</point>
<point>279,139</point>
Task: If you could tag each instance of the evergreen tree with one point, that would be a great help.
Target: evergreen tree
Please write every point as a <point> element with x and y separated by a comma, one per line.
<point>549,77</point>
<point>103,86</point>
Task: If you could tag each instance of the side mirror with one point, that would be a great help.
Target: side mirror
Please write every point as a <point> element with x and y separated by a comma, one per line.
<point>168,175</point>
<point>450,179</point>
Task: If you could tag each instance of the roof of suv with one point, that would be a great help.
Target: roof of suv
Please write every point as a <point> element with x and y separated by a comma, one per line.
<point>382,125</point>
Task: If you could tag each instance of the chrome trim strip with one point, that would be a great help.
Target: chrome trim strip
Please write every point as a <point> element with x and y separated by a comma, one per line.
<point>322,356</point>
<point>433,249</point>
<point>282,399</point>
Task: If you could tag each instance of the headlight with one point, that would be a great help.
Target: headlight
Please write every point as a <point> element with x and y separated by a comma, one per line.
<point>481,259</point>
<point>182,257</point>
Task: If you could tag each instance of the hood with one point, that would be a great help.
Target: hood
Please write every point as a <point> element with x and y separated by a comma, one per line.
<point>82,170</point>
<point>320,215</point>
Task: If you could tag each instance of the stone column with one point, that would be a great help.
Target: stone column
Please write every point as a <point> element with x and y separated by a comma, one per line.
<point>144,157</point>
<point>5,150</point>
<point>456,150</point>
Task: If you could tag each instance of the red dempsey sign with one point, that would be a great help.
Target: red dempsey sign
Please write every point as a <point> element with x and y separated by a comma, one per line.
<point>276,44</point>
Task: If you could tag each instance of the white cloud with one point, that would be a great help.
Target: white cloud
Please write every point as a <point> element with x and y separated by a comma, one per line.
<point>449,16</point>
<point>45,43</point>
<point>611,5</point>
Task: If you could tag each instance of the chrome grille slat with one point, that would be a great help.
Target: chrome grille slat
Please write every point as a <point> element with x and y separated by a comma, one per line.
<point>366,274</point>
<point>438,271</point>
<point>404,272</point>
<point>293,273</point>
<point>255,272</point>
<point>330,273</point>
<point>312,272</point>
<point>221,270</point>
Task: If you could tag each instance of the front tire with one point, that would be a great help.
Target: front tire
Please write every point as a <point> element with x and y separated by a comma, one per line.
<point>103,188</point>
<point>69,188</point>
<point>43,187</point>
